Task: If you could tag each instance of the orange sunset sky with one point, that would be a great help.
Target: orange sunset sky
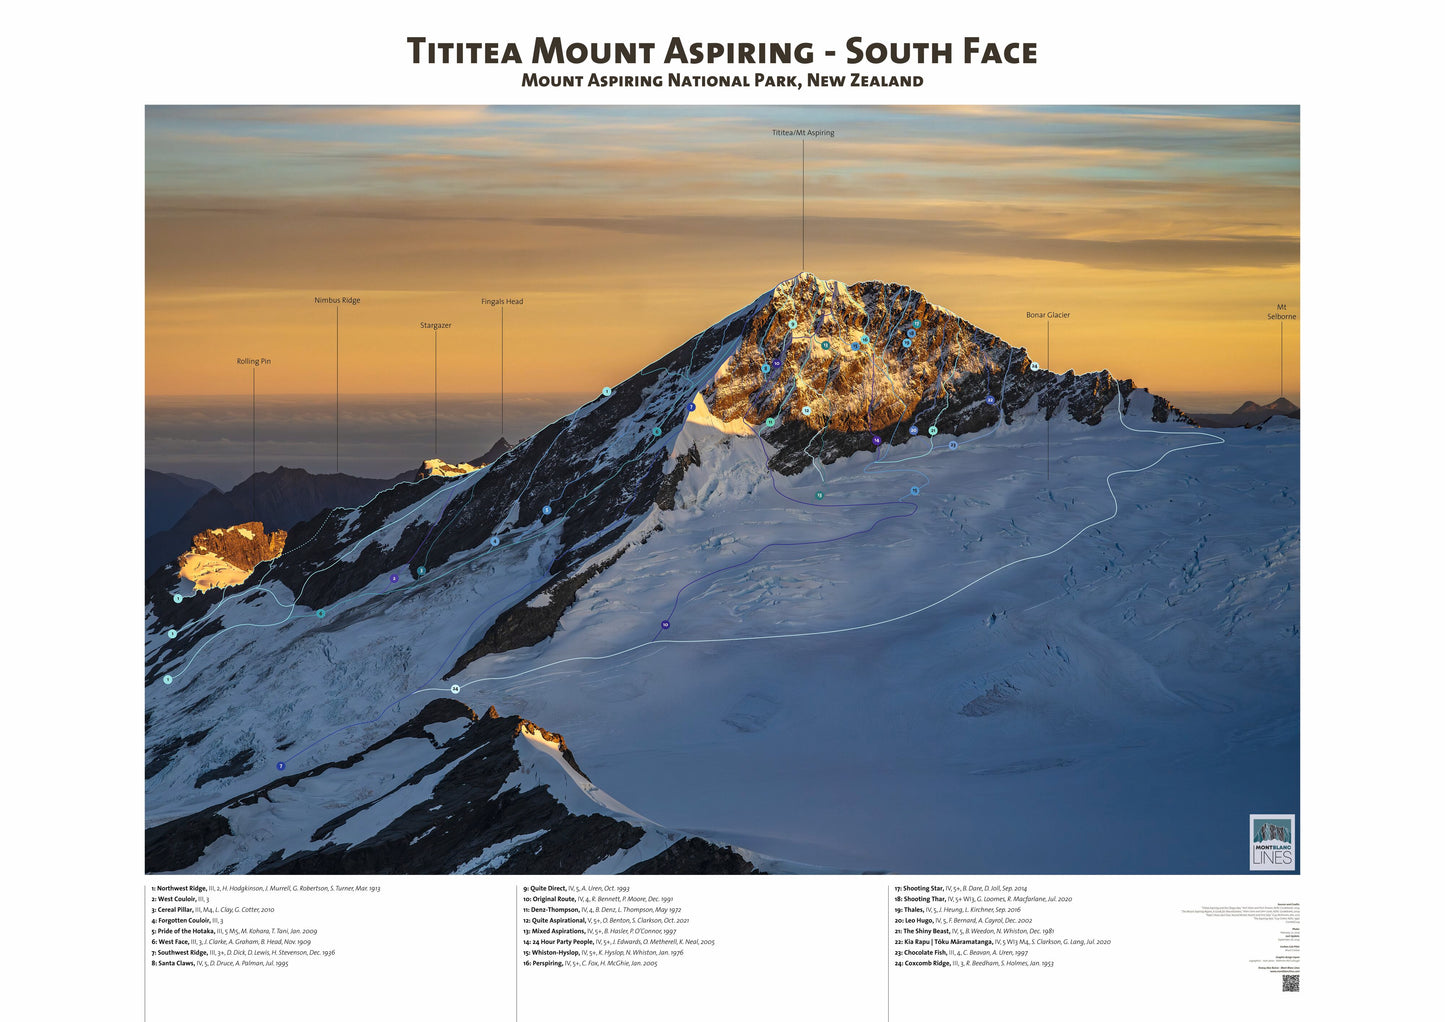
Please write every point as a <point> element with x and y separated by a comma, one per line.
<point>1169,234</point>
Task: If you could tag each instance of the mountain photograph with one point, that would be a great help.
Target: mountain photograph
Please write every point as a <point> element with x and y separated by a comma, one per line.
<point>684,576</point>
<point>841,504</point>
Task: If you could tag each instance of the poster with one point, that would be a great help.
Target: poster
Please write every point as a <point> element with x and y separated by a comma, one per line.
<point>631,510</point>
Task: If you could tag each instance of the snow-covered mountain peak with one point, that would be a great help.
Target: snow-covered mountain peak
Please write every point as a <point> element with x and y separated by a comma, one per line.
<point>823,369</point>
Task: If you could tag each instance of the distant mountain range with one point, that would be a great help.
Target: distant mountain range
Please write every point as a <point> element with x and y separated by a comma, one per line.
<point>1248,414</point>
<point>168,496</point>
<point>279,499</point>
<point>494,452</point>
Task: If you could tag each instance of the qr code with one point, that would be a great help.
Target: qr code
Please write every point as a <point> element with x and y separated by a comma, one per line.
<point>1291,982</point>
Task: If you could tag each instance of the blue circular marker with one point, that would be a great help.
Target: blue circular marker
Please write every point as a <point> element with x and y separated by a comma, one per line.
<point>857,346</point>
<point>913,490</point>
<point>657,431</point>
<point>933,431</point>
<point>912,333</point>
<point>546,509</point>
<point>819,495</point>
<point>769,421</point>
<point>877,440</point>
<point>906,342</point>
<point>912,430</point>
<point>988,400</point>
<point>456,689</point>
<point>395,577</point>
<point>826,345</point>
<point>172,634</point>
<point>692,406</point>
<point>767,369</point>
<point>167,679</point>
<point>792,324</point>
<point>421,570</point>
<point>606,391</point>
<point>495,541</point>
<point>666,625</point>
<point>321,612</point>
<point>281,766</point>
<point>1033,367</point>
<point>953,445</point>
<point>807,409</point>
<point>177,597</point>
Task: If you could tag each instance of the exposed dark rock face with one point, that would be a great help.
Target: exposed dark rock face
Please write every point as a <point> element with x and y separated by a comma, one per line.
<point>694,855</point>
<point>234,767</point>
<point>527,625</point>
<point>452,813</point>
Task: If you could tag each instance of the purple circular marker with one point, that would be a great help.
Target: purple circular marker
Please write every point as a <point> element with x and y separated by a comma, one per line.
<point>393,578</point>
<point>877,440</point>
<point>777,363</point>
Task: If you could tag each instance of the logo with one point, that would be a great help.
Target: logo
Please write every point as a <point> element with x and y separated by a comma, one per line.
<point>1271,841</point>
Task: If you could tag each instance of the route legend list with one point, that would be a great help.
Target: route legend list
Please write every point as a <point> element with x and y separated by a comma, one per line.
<point>205,926</point>
<point>606,925</point>
<point>983,926</point>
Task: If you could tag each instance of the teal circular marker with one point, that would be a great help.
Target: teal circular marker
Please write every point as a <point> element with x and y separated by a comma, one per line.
<point>767,369</point>
<point>657,431</point>
<point>792,324</point>
<point>826,345</point>
<point>421,570</point>
<point>177,597</point>
<point>819,494</point>
<point>171,634</point>
<point>495,541</point>
<point>917,323</point>
<point>807,409</point>
<point>933,431</point>
<point>321,612</point>
<point>167,679</point>
<point>769,421</point>
<point>606,391</point>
